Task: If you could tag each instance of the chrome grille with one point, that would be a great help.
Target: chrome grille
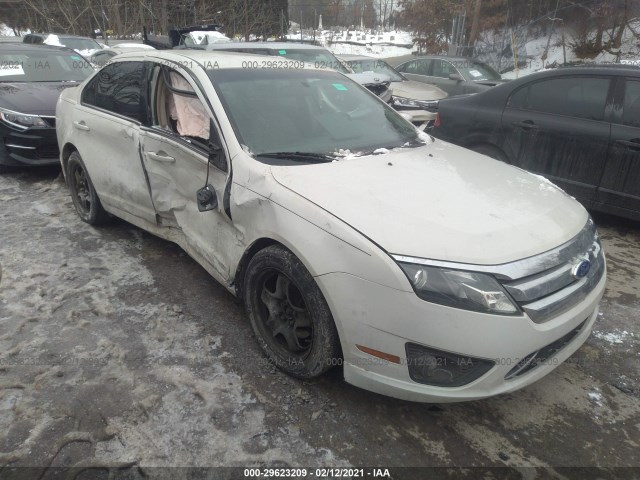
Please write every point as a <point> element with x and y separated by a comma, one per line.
<point>554,290</point>
<point>379,88</point>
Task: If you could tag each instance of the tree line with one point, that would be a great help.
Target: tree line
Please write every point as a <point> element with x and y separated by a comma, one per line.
<point>439,23</point>
<point>125,18</point>
<point>436,24</point>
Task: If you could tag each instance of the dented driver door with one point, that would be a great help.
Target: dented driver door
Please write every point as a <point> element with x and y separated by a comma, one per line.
<point>176,158</point>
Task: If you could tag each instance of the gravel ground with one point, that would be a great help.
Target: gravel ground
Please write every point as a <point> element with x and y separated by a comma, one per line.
<point>118,351</point>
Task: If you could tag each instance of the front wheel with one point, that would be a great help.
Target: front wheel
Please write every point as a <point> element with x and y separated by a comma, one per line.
<point>289,315</point>
<point>84,196</point>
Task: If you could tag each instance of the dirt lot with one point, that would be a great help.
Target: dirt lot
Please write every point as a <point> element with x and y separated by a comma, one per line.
<point>117,350</point>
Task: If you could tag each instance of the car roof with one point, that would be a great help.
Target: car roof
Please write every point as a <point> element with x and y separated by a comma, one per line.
<point>224,59</point>
<point>269,45</point>
<point>587,70</point>
<point>25,47</point>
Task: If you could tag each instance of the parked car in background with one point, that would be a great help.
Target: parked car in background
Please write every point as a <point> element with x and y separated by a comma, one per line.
<point>577,126</point>
<point>454,75</point>
<point>429,272</point>
<point>85,46</point>
<point>31,79</point>
<point>102,57</point>
<point>192,36</point>
<point>416,99</point>
<point>320,57</point>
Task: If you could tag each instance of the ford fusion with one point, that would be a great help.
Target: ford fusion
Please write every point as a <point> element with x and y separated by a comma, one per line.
<point>428,272</point>
<point>31,79</point>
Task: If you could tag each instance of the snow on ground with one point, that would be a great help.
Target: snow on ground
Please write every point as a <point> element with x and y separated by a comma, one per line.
<point>615,337</point>
<point>377,51</point>
<point>94,367</point>
<point>8,32</point>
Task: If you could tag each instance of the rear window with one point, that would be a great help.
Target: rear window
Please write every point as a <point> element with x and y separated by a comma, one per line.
<point>571,96</point>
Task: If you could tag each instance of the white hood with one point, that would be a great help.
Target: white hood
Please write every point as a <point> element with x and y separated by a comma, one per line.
<point>455,206</point>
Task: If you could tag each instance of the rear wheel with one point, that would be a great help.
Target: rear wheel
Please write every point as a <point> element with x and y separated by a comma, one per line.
<point>490,151</point>
<point>289,315</point>
<point>84,196</point>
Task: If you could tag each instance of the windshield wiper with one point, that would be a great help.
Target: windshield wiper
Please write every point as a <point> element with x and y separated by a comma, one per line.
<point>308,157</point>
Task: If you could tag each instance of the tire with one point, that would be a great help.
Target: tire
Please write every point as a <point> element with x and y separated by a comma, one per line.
<point>84,196</point>
<point>490,151</point>
<point>289,315</point>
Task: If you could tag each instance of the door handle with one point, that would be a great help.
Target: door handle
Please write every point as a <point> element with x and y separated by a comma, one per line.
<point>632,144</point>
<point>160,158</point>
<point>81,126</point>
<point>526,125</point>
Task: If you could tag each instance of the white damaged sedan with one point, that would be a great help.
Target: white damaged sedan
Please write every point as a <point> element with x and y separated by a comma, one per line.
<point>429,272</point>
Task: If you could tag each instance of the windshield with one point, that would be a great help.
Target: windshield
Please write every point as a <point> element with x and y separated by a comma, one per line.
<point>376,66</point>
<point>79,43</point>
<point>477,71</point>
<point>44,66</point>
<point>311,111</point>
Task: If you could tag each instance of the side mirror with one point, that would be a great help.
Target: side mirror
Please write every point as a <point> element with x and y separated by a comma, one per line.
<point>207,198</point>
<point>456,76</point>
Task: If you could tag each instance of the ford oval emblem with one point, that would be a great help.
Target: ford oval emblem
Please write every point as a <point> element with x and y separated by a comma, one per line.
<point>580,270</point>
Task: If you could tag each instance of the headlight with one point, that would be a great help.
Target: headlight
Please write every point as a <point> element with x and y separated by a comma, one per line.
<point>21,121</point>
<point>405,102</point>
<point>456,288</point>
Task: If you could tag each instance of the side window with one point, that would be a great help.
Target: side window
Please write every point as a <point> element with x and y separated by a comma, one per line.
<point>179,109</point>
<point>631,113</point>
<point>417,67</point>
<point>118,88</point>
<point>407,67</point>
<point>442,69</point>
<point>579,97</point>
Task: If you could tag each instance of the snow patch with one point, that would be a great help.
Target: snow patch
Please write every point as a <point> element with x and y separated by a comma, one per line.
<point>614,338</point>
<point>53,39</point>
<point>596,397</point>
<point>346,154</point>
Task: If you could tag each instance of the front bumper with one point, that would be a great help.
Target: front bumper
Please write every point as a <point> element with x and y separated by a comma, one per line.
<point>386,319</point>
<point>31,147</point>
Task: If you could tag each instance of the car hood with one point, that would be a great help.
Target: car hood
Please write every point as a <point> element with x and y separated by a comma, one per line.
<point>417,90</point>
<point>37,97</point>
<point>441,202</point>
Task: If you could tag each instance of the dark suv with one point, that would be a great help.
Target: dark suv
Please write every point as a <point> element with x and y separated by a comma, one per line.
<point>578,126</point>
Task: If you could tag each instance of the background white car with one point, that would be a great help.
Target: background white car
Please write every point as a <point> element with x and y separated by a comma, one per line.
<point>417,100</point>
<point>429,272</point>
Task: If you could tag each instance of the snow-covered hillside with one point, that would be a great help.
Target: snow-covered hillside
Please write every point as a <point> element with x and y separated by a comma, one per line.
<point>629,51</point>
